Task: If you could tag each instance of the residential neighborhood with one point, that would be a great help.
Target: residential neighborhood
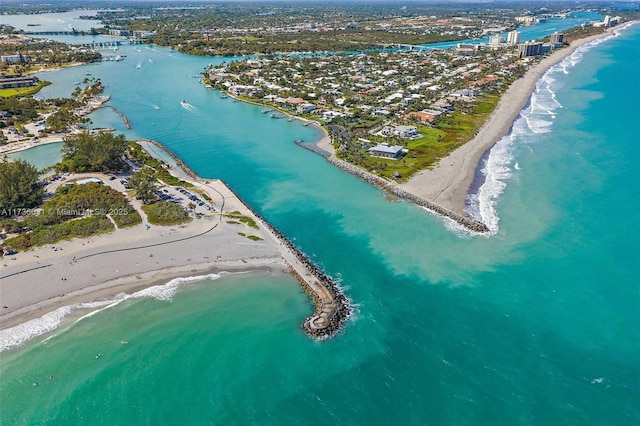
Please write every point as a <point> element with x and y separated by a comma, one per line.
<point>384,99</point>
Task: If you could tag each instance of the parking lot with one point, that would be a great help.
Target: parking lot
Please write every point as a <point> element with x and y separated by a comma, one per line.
<point>174,194</point>
<point>177,194</point>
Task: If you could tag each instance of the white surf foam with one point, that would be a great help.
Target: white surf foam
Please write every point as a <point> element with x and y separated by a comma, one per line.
<point>168,290</point>
<point>22,333</point>
<point>537,118</point>
<point>186,105</point>
<point>496,170</point>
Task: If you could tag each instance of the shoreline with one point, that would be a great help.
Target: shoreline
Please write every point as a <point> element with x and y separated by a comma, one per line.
<point>445,188</point>
<point>41,280</point>
<point>24,145</point>
<point>324,143</point>
<point>449,182</point>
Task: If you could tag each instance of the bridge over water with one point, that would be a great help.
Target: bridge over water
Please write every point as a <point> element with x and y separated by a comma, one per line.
<point>416,47</point>
<point>51,33</point>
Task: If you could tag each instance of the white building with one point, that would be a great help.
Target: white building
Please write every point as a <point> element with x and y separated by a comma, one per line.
<point>513,37</point>
<point>496,40</point>
<point>406,132</point>
<point>14,59</point>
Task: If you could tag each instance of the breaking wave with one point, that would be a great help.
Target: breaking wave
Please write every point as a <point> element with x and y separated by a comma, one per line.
<point>22,333</point>
<point>535,119</point>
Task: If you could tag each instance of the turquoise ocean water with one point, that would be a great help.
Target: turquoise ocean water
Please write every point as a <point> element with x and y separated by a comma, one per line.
<point>536,324</point>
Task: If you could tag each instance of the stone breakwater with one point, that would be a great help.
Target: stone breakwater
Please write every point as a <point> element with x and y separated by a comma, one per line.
<point>391,188</point>
<point>312,148</point>
<point>125,120</point>
<point>178,161</point>
<point>332,306</point>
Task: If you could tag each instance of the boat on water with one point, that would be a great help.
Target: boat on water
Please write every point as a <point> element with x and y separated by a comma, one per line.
<point>264,111</point>
<point>305,124</point>
<point>289,119</point>
<point>223,96</point>
<point>274,115</point>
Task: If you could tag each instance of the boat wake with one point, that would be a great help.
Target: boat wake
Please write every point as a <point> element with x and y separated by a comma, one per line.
<point>186,105</point>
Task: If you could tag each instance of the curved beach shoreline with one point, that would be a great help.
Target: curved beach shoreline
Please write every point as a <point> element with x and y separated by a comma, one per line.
<point>448,183</point>
<point>41,280</point>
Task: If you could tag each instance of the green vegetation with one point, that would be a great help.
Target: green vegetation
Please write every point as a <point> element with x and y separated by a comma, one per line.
<point>169,179</point>
<point>22,110</point>
<point>166,213</point>
<point>144,184</point>
<point>23,91</point>
<point>436,143</point>
<point>74,211</point>
<point>247,28</point>
<point>251,237</point>
<point>86,153</point>
<point>63,118</point>
<point>139,155</point>
<point>71,201</point>
<point>41,53</point>
<point>19,188</point>
<point>238,217</point>
<point>80,228</point>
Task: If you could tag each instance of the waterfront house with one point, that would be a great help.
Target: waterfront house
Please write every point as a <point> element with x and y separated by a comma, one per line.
<point>305,107</point>
<point>16,80</point>
<point>406,132</point>
<point>386,151</point>
<point>424,116</point>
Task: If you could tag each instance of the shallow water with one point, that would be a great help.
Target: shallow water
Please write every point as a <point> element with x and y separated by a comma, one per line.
<point>536,324</point>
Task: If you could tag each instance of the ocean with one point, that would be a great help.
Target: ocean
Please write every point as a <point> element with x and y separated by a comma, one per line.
<point>536,324</point>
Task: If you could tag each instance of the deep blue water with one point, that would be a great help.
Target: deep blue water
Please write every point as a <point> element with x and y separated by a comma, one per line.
<point>536,324</point>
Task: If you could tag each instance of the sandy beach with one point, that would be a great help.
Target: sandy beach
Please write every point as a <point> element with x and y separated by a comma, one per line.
<point>22,145</point>
<point>41,280</point>
<point>449,182</point>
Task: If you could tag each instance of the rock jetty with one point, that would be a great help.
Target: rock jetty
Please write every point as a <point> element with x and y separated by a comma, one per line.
<point>332,306</point>
<point>391,188</point>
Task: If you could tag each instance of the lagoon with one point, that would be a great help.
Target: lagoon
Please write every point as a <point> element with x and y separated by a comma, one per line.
<point>41,156</point>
